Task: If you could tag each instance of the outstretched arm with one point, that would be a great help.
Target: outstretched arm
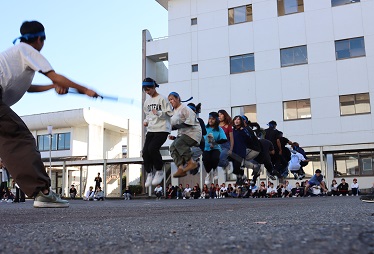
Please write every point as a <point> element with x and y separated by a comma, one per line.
<point>40,88</point>
<point>61,81</point>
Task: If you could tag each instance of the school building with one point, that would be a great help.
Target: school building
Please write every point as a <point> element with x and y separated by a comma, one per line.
<point>76,145</point>
<point>307,64</point>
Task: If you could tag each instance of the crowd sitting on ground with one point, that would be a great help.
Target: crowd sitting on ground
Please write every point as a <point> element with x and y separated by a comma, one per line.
<point>92,195</point>
<point>265,190</point>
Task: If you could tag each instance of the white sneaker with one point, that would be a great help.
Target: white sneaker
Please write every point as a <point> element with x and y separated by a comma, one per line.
<point>159,176</point>
<point>215,174</point>
<point>50,200</point>
<point>207,179</point>
<point>149,180</point>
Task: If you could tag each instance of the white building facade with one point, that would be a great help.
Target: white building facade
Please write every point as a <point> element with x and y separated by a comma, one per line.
<point>86,135</point>
<point>307,64</point>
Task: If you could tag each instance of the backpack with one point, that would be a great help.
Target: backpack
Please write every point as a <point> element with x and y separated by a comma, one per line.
<point>294,163</point>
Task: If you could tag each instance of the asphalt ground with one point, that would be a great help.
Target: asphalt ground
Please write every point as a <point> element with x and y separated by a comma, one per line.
<point>279,225</point>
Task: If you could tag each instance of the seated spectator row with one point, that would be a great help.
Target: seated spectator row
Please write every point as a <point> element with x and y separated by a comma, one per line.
<point>248,190</point>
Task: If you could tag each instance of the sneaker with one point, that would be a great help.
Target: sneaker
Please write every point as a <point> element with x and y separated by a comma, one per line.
<point>159,176</point>
<point>301,177</point>
<point>149,180</point>
<point>207,179</point>
<point>215,174</point>
<point>51,200</point>
<point>295,176</point>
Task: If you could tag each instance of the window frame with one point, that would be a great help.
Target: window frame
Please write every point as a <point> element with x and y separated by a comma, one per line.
<point>248,14</point>
<point>298,114</point>
<point>194,68</point>
<point>281,7</point>
<point>354,104</point>
<point>349,49</point>
<point>243,70</point>
<point>250,113</point>
<point>354,163</point>
<point>57,145</point>
<point>283,55</point>
<point>342,4</point>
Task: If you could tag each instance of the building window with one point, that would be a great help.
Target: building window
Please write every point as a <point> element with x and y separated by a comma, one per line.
<point>349,48</point>
<point>242,63</point>
<point>60,141</point>
<point>195,68</point>
<point>193,21</point>
<point>354,104</point>
<point>240,14</point>
<point>247,110</point>
<point>342,2</point>
<point>299,109</point>
<point>286,7</point>
<point>294,56</point>
<point>355,163</point>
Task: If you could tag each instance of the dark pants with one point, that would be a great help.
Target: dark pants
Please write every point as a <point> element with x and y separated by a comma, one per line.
<point>237,170</point>
<point>354,191</point>
<point>151,150</point>
<point>19,152</point>
<point>211,159</point>
<point>20,195</point>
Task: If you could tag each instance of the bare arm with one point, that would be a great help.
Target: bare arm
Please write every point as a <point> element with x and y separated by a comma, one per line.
<point>61,81</point>
<point>40,88</point>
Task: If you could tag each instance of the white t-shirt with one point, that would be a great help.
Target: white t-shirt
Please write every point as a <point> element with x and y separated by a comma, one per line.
<point>294,163</point>
<point>316,190</point>
<point>161,121</point>
<point>18,65</point>
<point>158,189</point>
<point>354,185</point>
<point>187,190</point>
<point>184,114</point>
<point>271,190</point>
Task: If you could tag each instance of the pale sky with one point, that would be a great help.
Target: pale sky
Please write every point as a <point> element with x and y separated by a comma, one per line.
<point>95,43</point>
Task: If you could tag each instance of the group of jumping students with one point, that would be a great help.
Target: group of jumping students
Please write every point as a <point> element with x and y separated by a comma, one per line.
<point>231,143</point>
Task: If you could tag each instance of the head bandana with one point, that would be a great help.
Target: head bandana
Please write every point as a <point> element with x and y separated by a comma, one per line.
<point>147,83</point>
<point>176,95</point>
<point>30,36</point>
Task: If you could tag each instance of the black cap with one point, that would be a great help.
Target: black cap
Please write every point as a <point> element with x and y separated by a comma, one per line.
<point>272,122</point>
<point>318,171</point>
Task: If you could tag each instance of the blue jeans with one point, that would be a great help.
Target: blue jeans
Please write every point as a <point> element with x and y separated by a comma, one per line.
<point>223,158</point>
